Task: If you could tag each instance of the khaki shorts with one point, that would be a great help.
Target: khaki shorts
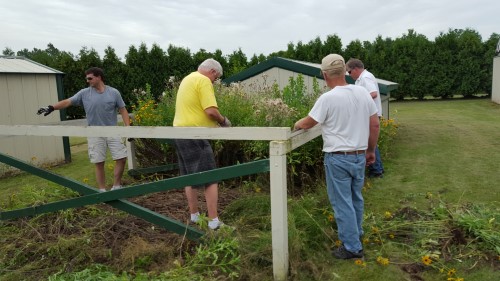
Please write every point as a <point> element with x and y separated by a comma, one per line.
<point>97,149</point>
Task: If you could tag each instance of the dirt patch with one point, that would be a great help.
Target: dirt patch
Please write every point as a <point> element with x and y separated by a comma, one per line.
<point>173,203</point>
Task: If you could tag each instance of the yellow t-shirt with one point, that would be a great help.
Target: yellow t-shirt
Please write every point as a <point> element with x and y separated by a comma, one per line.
<point>195,94</point>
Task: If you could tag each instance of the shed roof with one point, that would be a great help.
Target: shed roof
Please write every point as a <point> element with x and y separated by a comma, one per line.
<point>17,64</point>
<point>302,67</point>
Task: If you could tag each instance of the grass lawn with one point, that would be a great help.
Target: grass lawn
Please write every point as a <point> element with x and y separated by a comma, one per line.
<point>443,158</point>
<point>448,148</point>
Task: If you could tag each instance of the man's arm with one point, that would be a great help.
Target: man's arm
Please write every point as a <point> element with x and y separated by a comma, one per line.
<point>62,104</point>
<point>214,114</point>
<point>305,123</point>
<point>57,106</point>
<point>372,139</point>
<point>374,94</point>
<point>124,113</point>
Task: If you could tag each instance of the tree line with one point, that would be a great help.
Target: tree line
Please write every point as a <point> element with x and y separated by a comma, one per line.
<point>457,62</point>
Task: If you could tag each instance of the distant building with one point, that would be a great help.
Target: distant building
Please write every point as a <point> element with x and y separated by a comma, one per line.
<point>279,70</point>
<point>25,86</point>
<point>495,87</point>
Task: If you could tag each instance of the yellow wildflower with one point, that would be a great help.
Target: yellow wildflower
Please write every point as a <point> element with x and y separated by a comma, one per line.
<point>388,215</point>
<point>426,260</point>
<point>382,261</point>
<point>452,272</point>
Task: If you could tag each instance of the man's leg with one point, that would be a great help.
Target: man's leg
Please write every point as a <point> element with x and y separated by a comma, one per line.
<point>118,172</point>
<point>192,198</point>
<point>376,169</point>
<point>211,197</point>
<point>99,175</point>
<point>339,182</point>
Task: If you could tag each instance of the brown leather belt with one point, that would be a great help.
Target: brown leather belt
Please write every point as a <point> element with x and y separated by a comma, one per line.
<point>349,152</point>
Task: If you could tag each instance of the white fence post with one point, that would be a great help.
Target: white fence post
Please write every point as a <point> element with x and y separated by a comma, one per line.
<point>279,215</point>
<point>131,157</point>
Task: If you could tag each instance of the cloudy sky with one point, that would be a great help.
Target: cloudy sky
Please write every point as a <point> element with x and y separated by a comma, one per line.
<point>255,26</point>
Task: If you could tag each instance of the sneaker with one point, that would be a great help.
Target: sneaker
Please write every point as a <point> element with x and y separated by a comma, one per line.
<point>376,175</point>
<point>215,224</point>
<point>195,218</point>
<point>116,187</point>
<point>102,190</point>
<point>220,225</point>
<point>342,253</point>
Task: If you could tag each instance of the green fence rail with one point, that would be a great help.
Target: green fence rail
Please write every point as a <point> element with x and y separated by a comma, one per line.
<point>90,195</point>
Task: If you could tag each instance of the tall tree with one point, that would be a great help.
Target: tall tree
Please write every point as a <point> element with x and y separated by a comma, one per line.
<point>470,56</point>
<point>237,62</point>
<point>116,74</point>
<point>355,50</point>
<point>158,69</point>
<point>8,52</point>
<point>332,45</point>
<point>179,61</point>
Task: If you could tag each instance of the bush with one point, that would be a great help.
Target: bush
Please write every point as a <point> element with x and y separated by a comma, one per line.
<point>265,107</point>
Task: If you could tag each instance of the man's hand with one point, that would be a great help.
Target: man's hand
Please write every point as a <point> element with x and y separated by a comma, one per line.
<point>225,123</point>
<point>370,158</point>
<point>45,110</point>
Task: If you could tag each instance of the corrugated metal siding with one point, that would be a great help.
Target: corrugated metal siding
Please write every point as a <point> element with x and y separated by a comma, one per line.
<point>280,77</point>
<point>23,65</point>
<point>21,95</point>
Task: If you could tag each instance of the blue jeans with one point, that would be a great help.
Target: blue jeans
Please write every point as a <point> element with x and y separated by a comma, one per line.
<point>345,176</point>
<point>377,167</point>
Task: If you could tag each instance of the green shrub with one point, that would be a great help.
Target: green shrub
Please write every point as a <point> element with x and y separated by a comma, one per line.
<point>266,107</point>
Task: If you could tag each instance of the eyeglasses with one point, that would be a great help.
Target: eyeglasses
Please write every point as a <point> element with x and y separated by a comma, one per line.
<point>89,78</point>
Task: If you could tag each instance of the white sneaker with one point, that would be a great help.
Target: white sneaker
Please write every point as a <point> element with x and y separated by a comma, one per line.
<point>116,187</point>
<point>102,190</point>
<point>216,225</point>
<point>195,217</point>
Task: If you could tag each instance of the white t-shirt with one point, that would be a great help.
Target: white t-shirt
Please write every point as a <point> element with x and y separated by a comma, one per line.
<point>368,81</point>
<point>344,114</point>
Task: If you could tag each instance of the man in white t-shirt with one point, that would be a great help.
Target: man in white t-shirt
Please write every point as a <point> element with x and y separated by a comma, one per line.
<point>364,78</point>
<point>349,126</point>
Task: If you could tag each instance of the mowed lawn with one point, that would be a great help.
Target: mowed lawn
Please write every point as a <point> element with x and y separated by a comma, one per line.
<point>449,149</point>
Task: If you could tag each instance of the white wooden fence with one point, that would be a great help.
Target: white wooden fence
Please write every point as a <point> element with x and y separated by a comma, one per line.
<point>282,140</point>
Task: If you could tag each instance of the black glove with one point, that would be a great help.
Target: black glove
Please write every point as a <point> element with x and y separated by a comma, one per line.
<point>45,110</point>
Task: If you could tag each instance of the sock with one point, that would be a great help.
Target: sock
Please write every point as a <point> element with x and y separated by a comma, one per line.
<point>195,217</point>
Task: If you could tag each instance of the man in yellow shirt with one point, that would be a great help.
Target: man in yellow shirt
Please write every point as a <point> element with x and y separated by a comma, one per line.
<point>196,107</point>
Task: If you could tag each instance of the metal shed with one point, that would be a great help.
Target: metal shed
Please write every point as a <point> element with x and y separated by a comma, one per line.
<point>25,86</point>
<point>278,70</point>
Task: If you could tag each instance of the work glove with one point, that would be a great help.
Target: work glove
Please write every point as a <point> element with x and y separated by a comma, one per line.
<point>45,110</point>
<point>225,123</point>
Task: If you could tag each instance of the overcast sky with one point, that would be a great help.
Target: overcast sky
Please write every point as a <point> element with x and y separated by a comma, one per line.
<point>255,26</point>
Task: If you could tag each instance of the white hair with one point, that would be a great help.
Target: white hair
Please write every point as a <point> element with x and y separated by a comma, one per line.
<point>210,64</point>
